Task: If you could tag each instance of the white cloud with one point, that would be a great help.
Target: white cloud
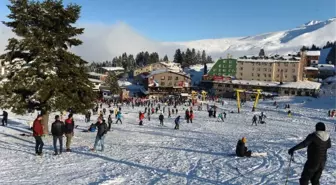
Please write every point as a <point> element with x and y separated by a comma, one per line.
<point>103,42</point>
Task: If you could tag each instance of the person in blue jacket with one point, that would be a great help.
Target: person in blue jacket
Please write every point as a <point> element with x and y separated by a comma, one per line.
<point>177,123</point>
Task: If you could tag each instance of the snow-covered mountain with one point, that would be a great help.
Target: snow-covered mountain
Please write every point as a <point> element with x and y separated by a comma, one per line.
<point>282,42</point>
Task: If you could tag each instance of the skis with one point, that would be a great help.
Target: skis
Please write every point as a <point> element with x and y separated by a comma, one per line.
<point>264,154</point>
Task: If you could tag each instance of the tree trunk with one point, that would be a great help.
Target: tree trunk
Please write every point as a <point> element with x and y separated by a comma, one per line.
<point>45,119</point>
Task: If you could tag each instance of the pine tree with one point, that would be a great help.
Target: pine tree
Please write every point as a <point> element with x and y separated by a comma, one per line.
<point>146,58</point>
<point>261,53</point>
<point>153,58</point>
<point>44,75</point>
<point>203,57</point>
<point>139,60</point>
<point>111,82</point>
<point>193,56</point>
<point>188,58</point>
<point>198,58</point>
<point>178,56</point>
<point>209,59</point>
<point>131,62</point>
<point>165,58</point>
<point>124,62</point>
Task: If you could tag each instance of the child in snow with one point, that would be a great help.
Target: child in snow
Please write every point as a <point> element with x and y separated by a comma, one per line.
<point>141,117</point>
<point>191,115</point>
<point>220,117</point>
<point>177,123</point>
<point>241,149</point>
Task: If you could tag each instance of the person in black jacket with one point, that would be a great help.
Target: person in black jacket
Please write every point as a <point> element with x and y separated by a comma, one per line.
<point>4,118</point>
<point>241,149</point>
<point>57,130</point>
<point>102,130</point>
<point>254,120</point>
<point>318,143</point>
<point>161,117</point>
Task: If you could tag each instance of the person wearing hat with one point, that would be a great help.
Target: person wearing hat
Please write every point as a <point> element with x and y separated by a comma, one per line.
<point>38,133</point>
<point>57,130</point>
<point>241,149</point>
<point>69,131</point>
<point>318,143</point>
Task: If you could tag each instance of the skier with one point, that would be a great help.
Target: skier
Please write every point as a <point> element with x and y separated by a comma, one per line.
<point>318,143</point>
<point>191,117</point>
<point>241,149</point>
<point>224,113</point>
<point>69,131</point>
<point>119,117</point>
<point>161,117</point>
<point>254,120</point>
<point>177,123</point>
<point>109,121</point>
<point>141,117</point>
<point>4,118</point>
<point>102,130</point>
<point>104,111</point>
<point>187,115</point>
<point>173,110</point>
<point>38,133</point>
<point>153,110</point>
<point>57,130</point>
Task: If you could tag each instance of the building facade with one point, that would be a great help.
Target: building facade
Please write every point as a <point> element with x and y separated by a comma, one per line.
<point>224,67</point>
<point>269,70</point>
<point>166,82</point>
<point>157,66</point>
<point>312,58</point>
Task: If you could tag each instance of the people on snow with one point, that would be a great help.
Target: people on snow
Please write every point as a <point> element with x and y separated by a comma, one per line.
<point>161,117</point>
<point>177,123</point>
<point>69,131</point>
<point>241,149</point>
<point>102,130</point>
<point>318,143</point>
<point>38,133</point>
<point>4,118</point>
<point>57,130</point>
<point>119,116</point>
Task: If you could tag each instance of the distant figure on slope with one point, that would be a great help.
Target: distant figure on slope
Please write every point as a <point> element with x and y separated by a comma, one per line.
<point>161,117</point>
<point>289,113</point>
<point>191,116</point>
<point>119,115</point>
<point>148,116</point>
<point>109,121</point>
<point>38,133</point>
<point>177,123</point>
<point>318,143</point>
<point>88,116</point>
<point>4,118</point>
<point>241,149</point>
<point>254,120</point>
<point>187,115</point>
<point>141,117</point>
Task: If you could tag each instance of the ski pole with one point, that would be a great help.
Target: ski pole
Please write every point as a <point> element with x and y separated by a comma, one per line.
<point>290,161</point>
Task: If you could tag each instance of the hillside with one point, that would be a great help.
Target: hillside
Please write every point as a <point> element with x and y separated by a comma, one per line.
<point>282,42</point>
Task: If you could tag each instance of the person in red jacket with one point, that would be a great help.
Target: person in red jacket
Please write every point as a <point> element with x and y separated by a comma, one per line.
<point>141,117</point>
<point>38,133</point>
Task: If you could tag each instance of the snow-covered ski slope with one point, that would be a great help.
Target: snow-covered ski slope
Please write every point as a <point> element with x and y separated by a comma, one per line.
<point>199,153</point>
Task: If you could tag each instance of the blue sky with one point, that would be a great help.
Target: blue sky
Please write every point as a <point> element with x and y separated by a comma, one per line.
<point>182,20</point>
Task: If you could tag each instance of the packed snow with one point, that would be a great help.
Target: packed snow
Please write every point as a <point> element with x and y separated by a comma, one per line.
<point>199,153</point>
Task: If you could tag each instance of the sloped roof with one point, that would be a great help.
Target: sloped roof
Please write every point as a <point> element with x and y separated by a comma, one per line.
<point>166,70</point>
<point>113,68</point>
<point>313,53</point>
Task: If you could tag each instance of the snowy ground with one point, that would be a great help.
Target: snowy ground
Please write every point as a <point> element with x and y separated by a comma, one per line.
<point>198,153</point>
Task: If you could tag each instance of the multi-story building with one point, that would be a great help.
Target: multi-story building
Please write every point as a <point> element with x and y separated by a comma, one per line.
<point>224,67</point>
<point>157,66</point>
<point>269,70</point>
<point>167,82</point>
<point>312,58</point>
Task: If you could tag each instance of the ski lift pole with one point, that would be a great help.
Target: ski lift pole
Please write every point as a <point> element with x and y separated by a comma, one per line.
<point>290,161</point>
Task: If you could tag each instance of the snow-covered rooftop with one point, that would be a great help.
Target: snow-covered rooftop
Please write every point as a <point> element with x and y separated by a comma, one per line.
<point>94,74</point>
<point>313,53</point>
<point>266,60</point>
<point>95,80</point>
<point>311,68</point>
<point>326,67</point>
<point>113,68</point>
<point>293,85</point>
<point>166,70</point>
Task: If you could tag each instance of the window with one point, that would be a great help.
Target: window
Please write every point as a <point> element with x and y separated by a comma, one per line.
<point>293,70</point>
<point>220,65</point>
<point>252,74</point>
<point>286,70</point>
<point>269,75</point>
<point>252,68</point>
<point>286,64</point>
<point>265,69</point>
<point>162,84</point>
<point>270,64</point>
<point>162,77</point>
<point>169,84</point>
<point>241,74</point>
<point>293,65</point>
<point>293,92</point>
<point>269,70</point>
<point>278,70</point>
<point>176,78</point>
<point>285,76</point>
<point>265,75</point>
<point>241,68</point>
<point>170,77</point>
<point>258,75</point>
<point>252,64</point>
<point>258,69</point>
<point>278,76</point>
